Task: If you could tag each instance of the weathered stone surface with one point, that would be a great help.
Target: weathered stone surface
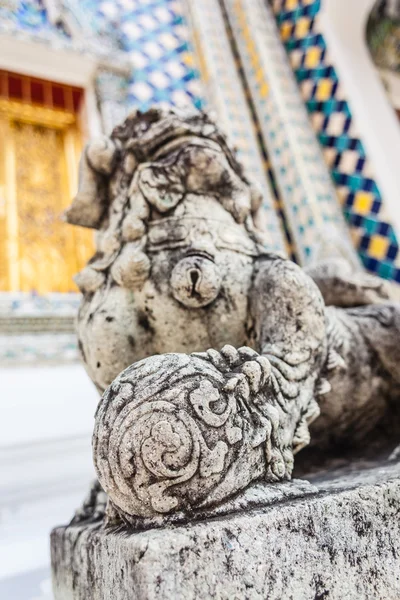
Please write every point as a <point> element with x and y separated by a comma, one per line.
<point>336,540</point>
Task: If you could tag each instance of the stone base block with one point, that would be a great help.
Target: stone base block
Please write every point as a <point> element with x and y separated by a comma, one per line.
<point>336,539</point>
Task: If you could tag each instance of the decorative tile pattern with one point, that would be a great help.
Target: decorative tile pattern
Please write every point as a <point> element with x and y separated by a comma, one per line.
<point>156,37</point>
<point>310,203</point>
<point>38,329</point>
<point>331,117</point>
<point>75,25</point>
<point>21,304</point>
<point>28,349</point>
<point>29,15</point>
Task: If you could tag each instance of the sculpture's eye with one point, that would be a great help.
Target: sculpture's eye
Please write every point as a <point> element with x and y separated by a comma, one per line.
<point>195,168</point>
<point>195,281</point>
<point>161,185</point>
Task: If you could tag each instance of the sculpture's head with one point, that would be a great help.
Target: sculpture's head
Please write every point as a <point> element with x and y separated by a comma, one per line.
<point>176,220</point>
<point>165,182</point>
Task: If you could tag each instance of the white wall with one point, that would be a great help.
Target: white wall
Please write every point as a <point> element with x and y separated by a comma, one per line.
<point>343,24</point>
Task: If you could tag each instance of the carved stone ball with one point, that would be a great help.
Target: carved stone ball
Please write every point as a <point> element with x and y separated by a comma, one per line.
<point>178,432</point>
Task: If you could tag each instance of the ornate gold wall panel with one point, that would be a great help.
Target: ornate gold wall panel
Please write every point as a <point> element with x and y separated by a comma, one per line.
<point>3,207</point>
<point>38,252</point>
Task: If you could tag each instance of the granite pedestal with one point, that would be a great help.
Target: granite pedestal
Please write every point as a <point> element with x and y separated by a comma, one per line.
<point>335,538</point>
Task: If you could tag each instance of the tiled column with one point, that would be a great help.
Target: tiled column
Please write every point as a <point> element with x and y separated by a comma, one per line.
<point>155,35</point>
<point>311,206</point>
<point>227,97</point>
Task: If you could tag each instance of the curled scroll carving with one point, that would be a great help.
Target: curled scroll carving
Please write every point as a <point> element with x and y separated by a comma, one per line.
<point>178,432</point>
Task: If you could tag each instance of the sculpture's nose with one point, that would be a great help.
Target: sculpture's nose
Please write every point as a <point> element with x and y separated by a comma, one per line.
<point>195,281</point>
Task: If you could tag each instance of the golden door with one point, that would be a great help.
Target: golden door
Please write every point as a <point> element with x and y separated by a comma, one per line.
<point>38,159</point>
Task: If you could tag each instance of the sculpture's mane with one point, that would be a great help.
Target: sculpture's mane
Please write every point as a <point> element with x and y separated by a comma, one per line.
<point>145,132</point>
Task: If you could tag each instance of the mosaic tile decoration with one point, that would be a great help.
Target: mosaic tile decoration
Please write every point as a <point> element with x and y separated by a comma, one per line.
<point>155,35</point>
<point>29,15</point>
<point>29,349</point>
<point>372,233</point>
<point>38,329</point>
<point>24,304</point>
<point>227,97</point>
<point>309,199</point>
<point>289,247</point>
<point>77,24</point>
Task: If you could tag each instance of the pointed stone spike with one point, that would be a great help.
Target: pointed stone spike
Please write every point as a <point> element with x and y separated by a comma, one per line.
<point>252,370</point>
<point>215,358</point>
<point>231,384</point>
<point>230,354</point>
<point>301,437</point>
<point>265,368</point>
<point>335,361</point>
<point>323,387</point>
<point>247,353</point>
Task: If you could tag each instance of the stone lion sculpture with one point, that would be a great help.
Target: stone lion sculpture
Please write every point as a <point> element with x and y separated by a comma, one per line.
<point>230,351</point>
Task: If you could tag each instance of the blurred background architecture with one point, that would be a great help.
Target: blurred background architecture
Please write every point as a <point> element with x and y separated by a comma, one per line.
<point>309,93</point>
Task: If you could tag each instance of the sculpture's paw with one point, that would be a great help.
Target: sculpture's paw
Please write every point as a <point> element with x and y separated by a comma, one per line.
<point>372,289</point>
<point>94,506</point>
<point>177,432</point>
<point>342,285</point>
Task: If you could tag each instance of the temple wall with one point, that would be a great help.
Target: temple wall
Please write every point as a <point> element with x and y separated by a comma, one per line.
<point>167,52</point>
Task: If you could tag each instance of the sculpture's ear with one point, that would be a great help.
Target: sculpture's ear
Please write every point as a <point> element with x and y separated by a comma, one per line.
<point>96,164</point>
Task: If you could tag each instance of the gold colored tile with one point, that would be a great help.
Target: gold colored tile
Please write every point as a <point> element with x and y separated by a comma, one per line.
<point>259,75</point>
<point>312,58</point>
<point>286,30</point>
<point>264,89</point>
<point>363,203</point>
<point>324,89</point>
<point>378,246</point>
<point>187,58</point>
<point>302,27</point>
